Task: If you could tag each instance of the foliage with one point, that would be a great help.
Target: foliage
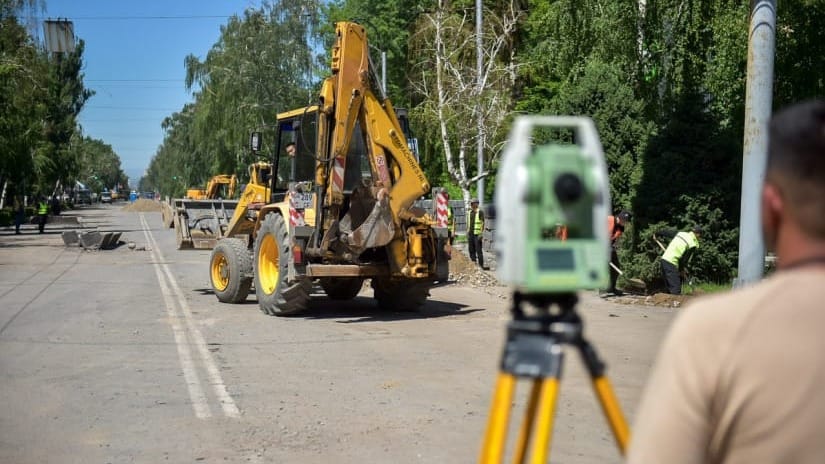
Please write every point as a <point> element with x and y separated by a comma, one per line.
<point>257,68</point>
<point>40,98</point>
<point>99,165</point>
<point>663,81</point>
<point>388,26</point>
<point>462,106</point>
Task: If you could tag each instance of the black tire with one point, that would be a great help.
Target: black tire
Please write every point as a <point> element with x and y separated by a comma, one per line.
<point>342,288</point>
<point>230,270</point>
<point>277,295</point>
<point>400,294</point>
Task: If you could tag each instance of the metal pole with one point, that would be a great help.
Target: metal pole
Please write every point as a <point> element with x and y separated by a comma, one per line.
<point>479,70</point>
<point>758,101</point>
<point>384,72</point>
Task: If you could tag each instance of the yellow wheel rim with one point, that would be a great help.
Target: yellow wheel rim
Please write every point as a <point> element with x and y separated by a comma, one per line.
<point>220,272</point>
<point>269,269</point>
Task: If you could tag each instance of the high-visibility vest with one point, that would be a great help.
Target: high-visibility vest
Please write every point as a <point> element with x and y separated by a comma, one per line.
<point>477,221</point>
<point>43,208</point>
<point>450,223</point>
<point>678,246</point>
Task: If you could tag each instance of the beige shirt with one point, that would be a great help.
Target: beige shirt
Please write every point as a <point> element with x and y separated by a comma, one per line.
<point>740,378</point>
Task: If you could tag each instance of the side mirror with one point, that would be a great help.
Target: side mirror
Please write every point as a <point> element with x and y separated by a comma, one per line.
<point>255,142</point>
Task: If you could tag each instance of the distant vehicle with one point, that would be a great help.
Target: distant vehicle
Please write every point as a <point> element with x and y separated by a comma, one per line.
<point>105,197</point>
<point>82,196</point>
<point>148,195</point>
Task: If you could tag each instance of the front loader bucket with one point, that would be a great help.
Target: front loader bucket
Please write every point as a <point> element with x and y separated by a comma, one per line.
<point>200,223</point>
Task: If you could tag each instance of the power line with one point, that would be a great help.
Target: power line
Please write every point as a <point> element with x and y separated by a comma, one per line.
<point>96,107</point>
<point>133,80</point>
<point>129,18</point>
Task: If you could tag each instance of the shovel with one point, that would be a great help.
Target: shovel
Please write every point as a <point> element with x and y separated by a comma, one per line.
<point>639,283</point>
<point>659,243</point>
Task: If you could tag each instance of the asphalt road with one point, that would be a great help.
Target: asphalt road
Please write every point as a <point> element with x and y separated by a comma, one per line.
<point>124,355</point>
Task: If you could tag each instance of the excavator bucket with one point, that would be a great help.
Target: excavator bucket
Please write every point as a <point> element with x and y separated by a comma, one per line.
<point>199,223</point>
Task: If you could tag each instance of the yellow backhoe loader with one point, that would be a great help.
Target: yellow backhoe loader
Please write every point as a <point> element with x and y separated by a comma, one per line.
<point>201,218</point>
<point>220,186</point>
<point>341,210</point>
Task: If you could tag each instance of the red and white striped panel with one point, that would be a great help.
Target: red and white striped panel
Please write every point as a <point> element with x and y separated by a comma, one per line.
<point>441,214</point>
<point>338,175</point>
<point>296,216</point>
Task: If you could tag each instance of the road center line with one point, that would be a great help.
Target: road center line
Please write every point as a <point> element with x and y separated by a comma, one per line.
<point>196,394</point>
<point>230,409</point>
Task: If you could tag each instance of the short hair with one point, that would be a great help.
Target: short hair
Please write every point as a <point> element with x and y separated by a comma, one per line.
<point>625,215</point>
<point>796,162</point>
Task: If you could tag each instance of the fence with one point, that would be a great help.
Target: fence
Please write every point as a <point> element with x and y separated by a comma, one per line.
<point>460,217</point>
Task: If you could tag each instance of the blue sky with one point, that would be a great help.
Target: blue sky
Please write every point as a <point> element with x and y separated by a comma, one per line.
<point>134,62</point>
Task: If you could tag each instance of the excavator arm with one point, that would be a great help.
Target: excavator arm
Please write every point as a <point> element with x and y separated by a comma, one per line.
<point>231,181</point>
<point>346,98</point>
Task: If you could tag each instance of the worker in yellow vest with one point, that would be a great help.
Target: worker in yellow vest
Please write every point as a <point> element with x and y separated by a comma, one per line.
<point>677,256</point>
<point>475,229</point>
<point>42,214</point>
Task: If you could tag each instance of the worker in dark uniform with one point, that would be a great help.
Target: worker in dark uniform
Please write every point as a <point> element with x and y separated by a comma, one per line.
<point>19,213</point>
<point>475,229</point>
<point>615,229</point>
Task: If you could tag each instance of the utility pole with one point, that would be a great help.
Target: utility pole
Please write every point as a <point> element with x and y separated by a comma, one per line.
<point>758,101</point>
<point>384,72</point>
<point>480,82</point>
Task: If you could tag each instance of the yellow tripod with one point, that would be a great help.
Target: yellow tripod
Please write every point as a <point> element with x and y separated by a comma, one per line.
<point>533,350</point>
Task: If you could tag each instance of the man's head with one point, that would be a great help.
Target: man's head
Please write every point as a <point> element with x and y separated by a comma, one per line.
<point>474,204</point>
<point>290,149</point>
<point>624,217</point>
<point>793,195</point>
<point>697,231</point>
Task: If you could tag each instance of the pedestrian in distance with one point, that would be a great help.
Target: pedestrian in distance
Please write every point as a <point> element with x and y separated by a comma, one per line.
<point>42,214</point>
<point>475,230</point>
<point>677,256</point>
<point>739,376</point>
<point>615,227</point>
<point>19,213</point>
<point>55,205</point>
<point>450,218</point>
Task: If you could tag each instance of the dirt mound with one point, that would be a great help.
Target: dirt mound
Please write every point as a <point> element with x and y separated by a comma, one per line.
<point>143,205</point>
<point>464,271</point>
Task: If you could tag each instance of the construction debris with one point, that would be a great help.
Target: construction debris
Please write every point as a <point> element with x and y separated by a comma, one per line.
<point>92,239</point>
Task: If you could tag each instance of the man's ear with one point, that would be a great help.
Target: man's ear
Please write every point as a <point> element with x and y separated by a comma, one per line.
<point>772,213</point>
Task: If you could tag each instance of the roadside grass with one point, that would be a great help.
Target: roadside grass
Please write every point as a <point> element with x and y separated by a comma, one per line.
<point>705,288</point>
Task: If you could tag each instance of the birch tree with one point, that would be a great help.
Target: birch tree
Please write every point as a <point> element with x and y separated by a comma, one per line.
<point>453,95</point>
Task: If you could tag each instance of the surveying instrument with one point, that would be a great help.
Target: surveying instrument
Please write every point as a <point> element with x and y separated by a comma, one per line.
<point>544,186</point>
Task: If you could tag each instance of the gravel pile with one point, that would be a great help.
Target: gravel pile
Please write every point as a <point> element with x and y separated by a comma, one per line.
<point>142,205</point>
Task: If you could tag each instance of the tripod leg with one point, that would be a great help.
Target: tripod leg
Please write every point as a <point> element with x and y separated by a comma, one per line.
<point>526,429</point>
<point>492,449</point>
<point>613,412</point>
<point>544,422</point>
<point>604,392</point>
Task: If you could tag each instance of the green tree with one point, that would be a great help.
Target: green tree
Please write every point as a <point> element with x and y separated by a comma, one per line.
<point>40,97</point>
<point>257,68</point>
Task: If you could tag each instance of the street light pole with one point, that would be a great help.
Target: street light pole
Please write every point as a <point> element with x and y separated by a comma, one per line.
<point>758,101</point>
<point>479,70</point>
